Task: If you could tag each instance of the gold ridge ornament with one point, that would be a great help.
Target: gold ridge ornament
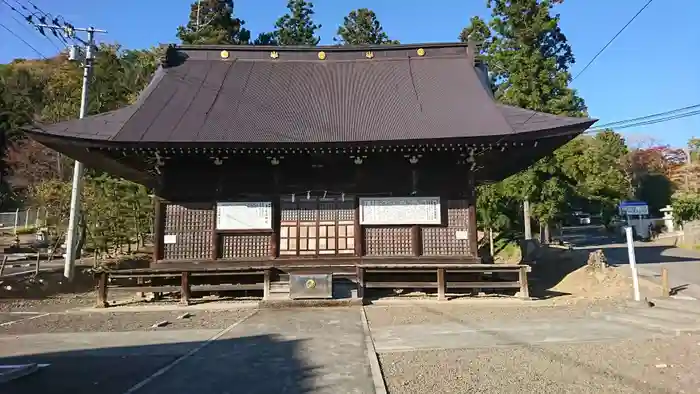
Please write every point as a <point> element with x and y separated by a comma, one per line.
<point>224,54</point>
<point>369,54</point>
<point>420,52</point>
<point>322,55</point>
<point>274,54</point>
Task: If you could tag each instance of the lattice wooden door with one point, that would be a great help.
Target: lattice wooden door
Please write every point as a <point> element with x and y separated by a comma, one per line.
<point>317,226</point>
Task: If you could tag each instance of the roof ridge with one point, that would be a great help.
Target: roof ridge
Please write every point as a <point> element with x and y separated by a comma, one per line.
<point>328,48</point>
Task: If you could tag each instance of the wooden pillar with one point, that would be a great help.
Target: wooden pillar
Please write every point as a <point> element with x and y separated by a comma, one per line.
<point>102,290</point>
<point>472,230</point>
<point>416,241</point>
<point>158,228</point>
<point>185,289</point>
<point>360,282</point>
<point>215,236</point>
<point>358,232</point>
<point>442,284</point>
<point>524,288</point>
<point>266,285</point>
<point>276,213</point>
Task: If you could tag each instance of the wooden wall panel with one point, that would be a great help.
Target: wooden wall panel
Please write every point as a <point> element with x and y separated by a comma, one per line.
<point>191,224</point>
<point>388,241</point>
<point>443,241</point>
<point>238,246</point>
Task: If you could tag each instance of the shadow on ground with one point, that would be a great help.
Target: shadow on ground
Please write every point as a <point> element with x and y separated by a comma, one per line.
<point>46,284</point>
<point>552,266</point>
<point>257,364</point>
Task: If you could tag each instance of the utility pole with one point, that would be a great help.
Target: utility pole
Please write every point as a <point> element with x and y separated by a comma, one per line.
<point>199,4</point>
<point>87,57</point>
<point>526,219</point>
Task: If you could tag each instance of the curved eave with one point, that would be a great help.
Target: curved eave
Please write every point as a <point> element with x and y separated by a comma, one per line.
<point>103,143</point>
<point>80,150</point>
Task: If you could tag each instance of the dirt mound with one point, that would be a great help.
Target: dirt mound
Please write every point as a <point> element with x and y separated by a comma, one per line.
<point>599,280</point>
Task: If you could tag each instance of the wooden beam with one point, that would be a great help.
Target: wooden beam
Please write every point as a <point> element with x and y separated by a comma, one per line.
<point>215,237</point>
<point>416,241</point>
<point>357,230</point>
<point>158,228</point>
<point>276,214</point>
<point>524,288</point>
<point>360,282</point>
<point>472,229</point>
<point>266,285</point>
<point>185,288</point>
<point>102,290</point>
<point>441,284</point>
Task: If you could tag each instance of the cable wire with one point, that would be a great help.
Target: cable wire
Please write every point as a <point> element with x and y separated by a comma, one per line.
<point>611,40</point>
<point>645,122</point>
<point>44,18</point>
<point>28,19</point>
<point>23,40</point>
<point>601,50</point>
<point>641,118</point>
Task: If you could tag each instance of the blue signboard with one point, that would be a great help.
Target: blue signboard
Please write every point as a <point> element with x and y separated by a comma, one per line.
<point>633,208</point>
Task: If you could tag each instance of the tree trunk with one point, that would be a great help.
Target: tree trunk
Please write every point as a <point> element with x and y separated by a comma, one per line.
<point>491,247</point>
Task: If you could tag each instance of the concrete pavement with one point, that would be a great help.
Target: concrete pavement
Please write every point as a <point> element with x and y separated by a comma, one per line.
<point>266,351</point>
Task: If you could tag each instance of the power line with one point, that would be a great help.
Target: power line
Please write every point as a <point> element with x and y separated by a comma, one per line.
<point>646,122</point>
<point>611,40</point>
<point>641,118</point>
<point>44,18</point>
<point>23,40</point>
<point>28,19</point>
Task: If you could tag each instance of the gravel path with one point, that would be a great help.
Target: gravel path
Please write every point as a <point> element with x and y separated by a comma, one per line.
<point>438,313</point>
<point>123,321</point>
<point>649,366</point>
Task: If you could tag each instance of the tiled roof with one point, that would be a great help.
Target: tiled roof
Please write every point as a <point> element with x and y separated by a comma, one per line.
<point>250,94</point>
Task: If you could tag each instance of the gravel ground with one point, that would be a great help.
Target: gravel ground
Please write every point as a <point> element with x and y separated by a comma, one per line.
<point>650,366</point>
<point>51,304</point>
<point>390,315</point>
<point>7,317</point>
<point>124,321</point>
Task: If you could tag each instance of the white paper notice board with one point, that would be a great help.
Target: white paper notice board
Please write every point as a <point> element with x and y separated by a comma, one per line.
<point>255,215</point>
<point>400,210</point>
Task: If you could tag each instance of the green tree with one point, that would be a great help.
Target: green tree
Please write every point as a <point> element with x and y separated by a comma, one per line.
<point>361,27</point>
<point>491,211</point>
<point>265,39</point>
<point>595,166</point>
<point>478,30</point>
<point>213,22</point>
<point>296,27</point>
<point>530,57</point>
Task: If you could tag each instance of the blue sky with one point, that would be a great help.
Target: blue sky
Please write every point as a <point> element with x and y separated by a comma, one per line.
<point>654,66</point>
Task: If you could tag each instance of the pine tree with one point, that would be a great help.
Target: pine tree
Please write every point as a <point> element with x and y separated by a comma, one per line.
<point>361,27</point>
<point>530,58</point>
<point>212,22</point>
<point>296,27</point>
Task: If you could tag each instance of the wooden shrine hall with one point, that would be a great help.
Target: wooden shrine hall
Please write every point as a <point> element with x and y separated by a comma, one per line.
<point>301,172</point>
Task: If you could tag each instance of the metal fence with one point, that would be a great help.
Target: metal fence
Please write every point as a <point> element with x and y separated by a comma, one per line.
<point>19,219</point>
